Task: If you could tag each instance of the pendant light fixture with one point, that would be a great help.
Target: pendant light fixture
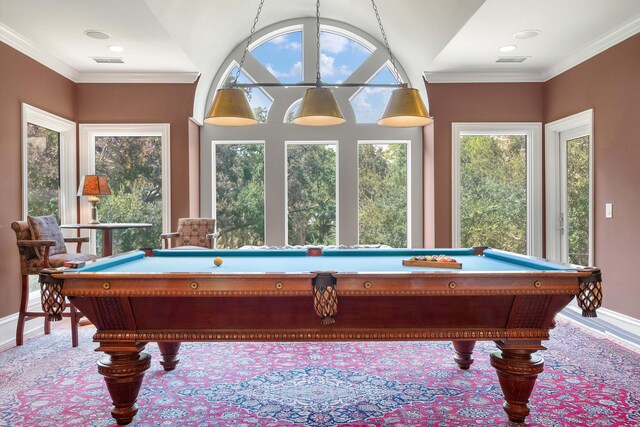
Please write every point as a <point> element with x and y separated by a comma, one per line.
<point>405,107</point>
<point>231,106</point>
<point>319,107</point>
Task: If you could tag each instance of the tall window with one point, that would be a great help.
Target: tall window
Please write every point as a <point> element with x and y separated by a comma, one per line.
<point>311,194</point>
<point>48,167</point>
<point>496,180</point>
<point>311,189</point>
<point>569,188</point>
<point>239,194</point>
<point>578,180</point>
<point>382,194</point>
<point>134,160</point>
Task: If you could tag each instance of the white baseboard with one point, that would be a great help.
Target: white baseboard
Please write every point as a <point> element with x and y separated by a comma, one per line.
<point>9,324</point>
<point>609,322</point>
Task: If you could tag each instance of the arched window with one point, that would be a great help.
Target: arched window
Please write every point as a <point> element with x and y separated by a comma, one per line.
<point>279,183</point>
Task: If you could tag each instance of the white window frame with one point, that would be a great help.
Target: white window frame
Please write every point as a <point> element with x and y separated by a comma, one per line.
<point>533,133</point>
<point>68,186</point>
<point>553,180</point>
<point>88,134</point>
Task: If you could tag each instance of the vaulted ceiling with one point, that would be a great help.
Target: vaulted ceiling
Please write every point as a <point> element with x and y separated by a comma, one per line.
<point>444,40</point>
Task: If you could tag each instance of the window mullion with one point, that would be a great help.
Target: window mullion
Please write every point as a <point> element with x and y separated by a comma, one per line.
<point>309,51</point>
<point>366,71</point>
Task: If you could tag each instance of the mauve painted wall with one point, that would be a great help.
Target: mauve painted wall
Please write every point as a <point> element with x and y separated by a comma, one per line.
<point>21,80</point>
<point>147,103</point>
<point>610,84</point>
<point>25,80</point>
<point>471,102</point>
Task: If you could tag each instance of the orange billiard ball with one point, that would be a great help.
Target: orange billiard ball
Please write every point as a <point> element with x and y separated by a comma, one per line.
<point>217,261</point>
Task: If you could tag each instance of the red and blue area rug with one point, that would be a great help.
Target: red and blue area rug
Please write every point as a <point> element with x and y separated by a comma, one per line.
<point>588,381</point>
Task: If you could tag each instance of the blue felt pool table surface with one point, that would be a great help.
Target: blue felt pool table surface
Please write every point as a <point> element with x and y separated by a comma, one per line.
<point>297,261</point>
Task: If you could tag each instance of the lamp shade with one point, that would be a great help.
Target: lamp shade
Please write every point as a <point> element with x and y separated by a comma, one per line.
<point>94,185</point>
<point>319,108</point>
<point>231,107</point>
<point>405,109</point>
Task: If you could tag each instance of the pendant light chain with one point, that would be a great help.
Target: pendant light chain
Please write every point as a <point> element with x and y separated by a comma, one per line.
<point>246,48</point>
<point>318,43</point>
<point>319,107</point>
<point>386,42</point>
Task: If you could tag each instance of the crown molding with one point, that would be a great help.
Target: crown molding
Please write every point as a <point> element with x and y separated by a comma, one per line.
<point>28,48</point>
<point>610,39</point>
<point>485,77</point>
<point>185,77</point>
<point>25,46</point>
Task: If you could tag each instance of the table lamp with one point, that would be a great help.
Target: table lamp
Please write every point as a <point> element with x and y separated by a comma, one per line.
<point>94,186</point>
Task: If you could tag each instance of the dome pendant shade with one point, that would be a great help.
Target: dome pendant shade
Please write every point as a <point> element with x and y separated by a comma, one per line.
<point>231,107</point>
<point>319,108</point>
<point>405,109</point>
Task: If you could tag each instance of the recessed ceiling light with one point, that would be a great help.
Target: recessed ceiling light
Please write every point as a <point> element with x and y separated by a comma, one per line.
<point>97,34</point>
<point>526,34</point>
<point>116,48</point>
<point>508,48</point>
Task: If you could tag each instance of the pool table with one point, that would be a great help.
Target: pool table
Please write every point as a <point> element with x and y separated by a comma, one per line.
<point>173,296</point>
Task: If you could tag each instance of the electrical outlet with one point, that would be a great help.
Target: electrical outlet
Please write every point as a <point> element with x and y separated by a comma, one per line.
<point>608,210</point>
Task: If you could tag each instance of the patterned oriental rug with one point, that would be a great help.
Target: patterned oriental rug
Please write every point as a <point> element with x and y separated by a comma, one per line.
<point>588,381</point>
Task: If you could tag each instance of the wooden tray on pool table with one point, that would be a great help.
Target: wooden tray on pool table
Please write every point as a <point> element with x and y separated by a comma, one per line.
<point>436,264</point>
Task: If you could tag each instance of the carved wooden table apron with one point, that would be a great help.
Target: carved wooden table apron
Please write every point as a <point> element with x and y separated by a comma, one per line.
<point>513,309</point>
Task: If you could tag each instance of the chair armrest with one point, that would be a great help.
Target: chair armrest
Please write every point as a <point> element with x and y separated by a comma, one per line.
<point>78,240</point>
<point>168,236</point>
<point>212,238</point>
<point>35,243</point>
<point>45,243</point>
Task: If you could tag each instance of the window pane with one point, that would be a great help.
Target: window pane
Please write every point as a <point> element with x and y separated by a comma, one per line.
<point>493,191</point>
<point>282,56</point>
<point>258,99</point>
<point>369,102</point>
<point>239,194</point>
<point>578,200</point>
<point>340,56</point>
<point>43,166</point>
<point>292,112</point>
<point>311,179</point>
<point>133,166</point>
<point>382,194</point>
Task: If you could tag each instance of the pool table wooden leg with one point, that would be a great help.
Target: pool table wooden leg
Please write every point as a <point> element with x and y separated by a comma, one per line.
<point>517,369</point>
<point>464,350</point>
<point>123,367</point>
<point>169,352</point>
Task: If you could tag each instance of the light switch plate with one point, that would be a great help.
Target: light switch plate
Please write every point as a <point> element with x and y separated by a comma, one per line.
<point>608,210</point>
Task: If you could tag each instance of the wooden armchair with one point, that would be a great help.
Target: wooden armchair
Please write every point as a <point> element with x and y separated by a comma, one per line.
<point>193,233</point>
<point>41,245</point>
